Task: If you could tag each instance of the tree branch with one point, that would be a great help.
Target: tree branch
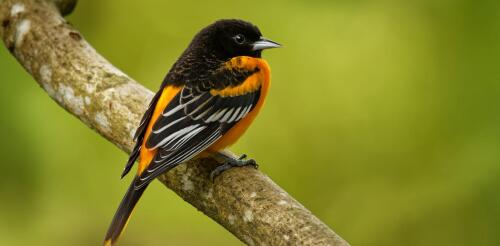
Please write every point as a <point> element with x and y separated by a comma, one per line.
<point>243,200</point>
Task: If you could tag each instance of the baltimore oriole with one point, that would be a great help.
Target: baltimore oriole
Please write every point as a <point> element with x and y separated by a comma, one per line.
<point>205,103</point>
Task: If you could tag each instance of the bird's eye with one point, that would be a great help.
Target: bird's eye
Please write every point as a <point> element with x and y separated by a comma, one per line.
<point>239,39</point>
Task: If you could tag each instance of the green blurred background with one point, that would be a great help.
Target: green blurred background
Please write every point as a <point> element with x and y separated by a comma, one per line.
<point>383,120</point>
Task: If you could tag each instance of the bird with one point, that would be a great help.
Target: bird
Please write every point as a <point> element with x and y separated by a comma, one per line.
<point>207,100</point>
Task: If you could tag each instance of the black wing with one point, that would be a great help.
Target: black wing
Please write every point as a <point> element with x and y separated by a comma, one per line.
<point>191,122</point>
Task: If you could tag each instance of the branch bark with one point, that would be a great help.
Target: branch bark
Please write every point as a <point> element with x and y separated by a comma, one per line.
<point>243,200</point>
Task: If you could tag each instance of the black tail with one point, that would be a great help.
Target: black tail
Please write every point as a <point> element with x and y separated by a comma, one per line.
<point>122,215</point>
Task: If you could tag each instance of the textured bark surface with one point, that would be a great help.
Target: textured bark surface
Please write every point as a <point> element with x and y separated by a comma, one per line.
<point>243,200</point>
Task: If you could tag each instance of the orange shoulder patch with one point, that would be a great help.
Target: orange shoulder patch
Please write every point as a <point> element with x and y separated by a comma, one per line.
<point>252,83</point>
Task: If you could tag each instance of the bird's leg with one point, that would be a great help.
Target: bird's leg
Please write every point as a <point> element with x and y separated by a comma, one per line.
<point>231,161</point>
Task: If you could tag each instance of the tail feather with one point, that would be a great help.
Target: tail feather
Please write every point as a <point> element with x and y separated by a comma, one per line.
<point>122,215</point>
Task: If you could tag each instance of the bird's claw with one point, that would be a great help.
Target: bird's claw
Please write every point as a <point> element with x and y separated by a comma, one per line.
<point>232,162</point>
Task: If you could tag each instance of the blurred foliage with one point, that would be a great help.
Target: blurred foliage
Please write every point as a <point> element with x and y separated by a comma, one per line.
<point>383,119</point>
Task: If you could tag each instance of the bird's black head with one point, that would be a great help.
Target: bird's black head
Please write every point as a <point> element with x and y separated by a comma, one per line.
<point>226,39</point>
<point>214,45</point>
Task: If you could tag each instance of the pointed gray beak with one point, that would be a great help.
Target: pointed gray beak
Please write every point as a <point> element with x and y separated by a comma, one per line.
<point>264,43</point>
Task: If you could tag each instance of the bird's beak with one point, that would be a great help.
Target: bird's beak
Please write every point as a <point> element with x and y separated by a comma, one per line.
<point>264,43</point>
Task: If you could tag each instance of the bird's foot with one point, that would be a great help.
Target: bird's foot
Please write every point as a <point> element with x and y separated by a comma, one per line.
<point>231,162</point>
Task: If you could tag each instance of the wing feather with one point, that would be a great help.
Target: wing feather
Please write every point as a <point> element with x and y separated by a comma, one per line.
<point>140,131</point>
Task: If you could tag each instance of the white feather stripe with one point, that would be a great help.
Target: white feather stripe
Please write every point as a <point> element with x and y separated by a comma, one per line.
<point>175,135</point>
<point>180,106</point>
<point>235,114</point>
<point>243,112</point>
<point>220,114</point>
<point>227,115</point>
<point>168,125</point>
<point>197,149</point>
<point>202,114</point>
<point>201,105</point>
<point>172,111</point>
<point>162,156</point>
<point>212,116</point>
<point>194,151</point>
<point>192,100</point>
<point>248,110</point>
<point>216,115</point>
<point>188,136</point>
